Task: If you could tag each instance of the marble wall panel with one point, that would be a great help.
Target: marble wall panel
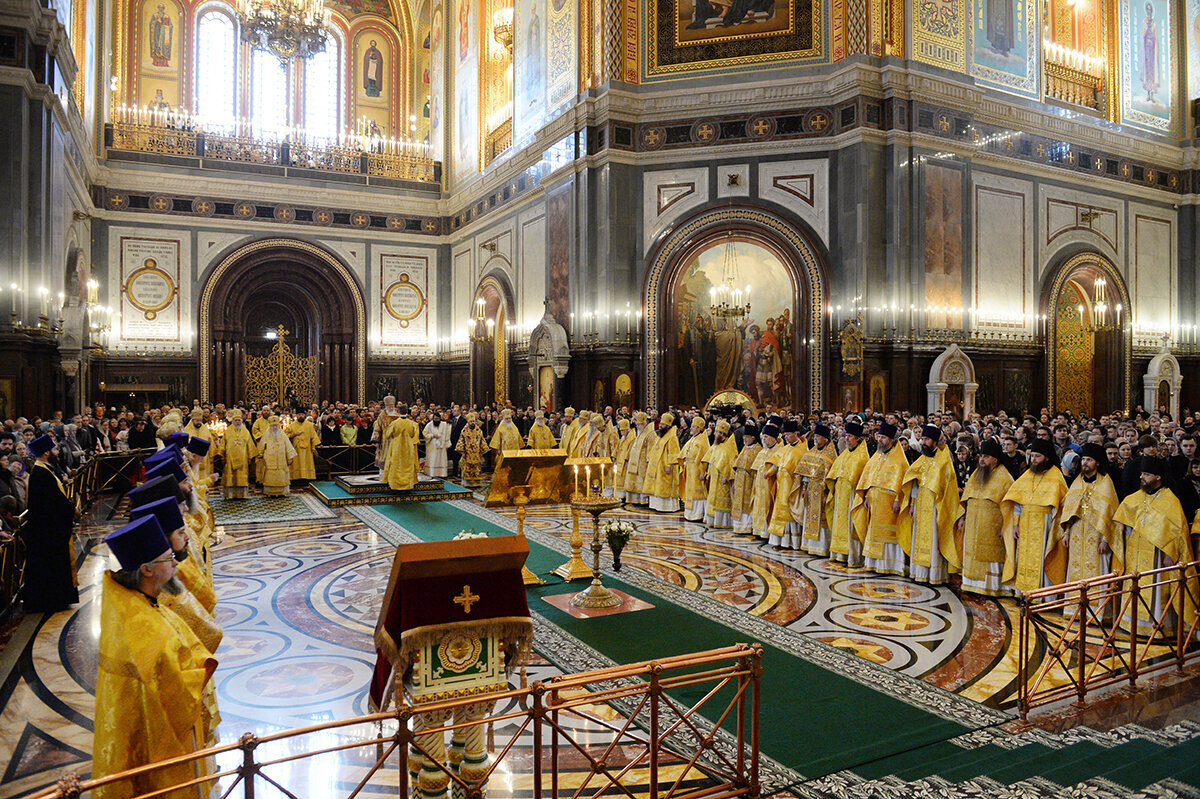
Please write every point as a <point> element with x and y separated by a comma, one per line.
<point>800,186</point>
<point>1003,251</point>
<point>1152,277</point>
<point>667,196</point>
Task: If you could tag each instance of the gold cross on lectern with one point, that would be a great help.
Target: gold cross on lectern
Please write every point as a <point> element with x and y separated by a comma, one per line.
<point>282,331</point>
<point>466,599</point>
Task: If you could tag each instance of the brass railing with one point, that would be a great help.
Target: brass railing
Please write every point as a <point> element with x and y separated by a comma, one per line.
<point>654,728</point>
<point>401,165</point>
<point>105,471</point>
<point>1078,637</point>
<point>12,566</point>
<point>1071,85</point>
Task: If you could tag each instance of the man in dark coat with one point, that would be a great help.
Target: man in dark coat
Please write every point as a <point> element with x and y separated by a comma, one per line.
<point>47,533</point>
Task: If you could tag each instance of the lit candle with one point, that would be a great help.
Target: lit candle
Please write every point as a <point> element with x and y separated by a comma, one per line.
<point>588,471</point>
<point>577,479</point>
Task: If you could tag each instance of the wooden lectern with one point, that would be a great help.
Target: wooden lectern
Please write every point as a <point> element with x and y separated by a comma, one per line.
<point>453,622</point>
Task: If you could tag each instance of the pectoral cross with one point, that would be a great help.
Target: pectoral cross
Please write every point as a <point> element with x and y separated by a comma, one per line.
<point>466,599</point>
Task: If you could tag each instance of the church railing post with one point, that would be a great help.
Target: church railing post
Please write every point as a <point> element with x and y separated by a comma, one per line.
<point>655,690</point>
<point>1022,661</point>
<point>249,769</point>
<point>1081,647</point>
<point>1134,598</point>
<point>554,743</point>
<point>755,679</point>
<point>1180,625</point>
<point>404,737</point>
<point>537,712</point>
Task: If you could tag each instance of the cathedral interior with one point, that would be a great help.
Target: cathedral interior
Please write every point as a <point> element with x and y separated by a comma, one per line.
<point>956,207</point>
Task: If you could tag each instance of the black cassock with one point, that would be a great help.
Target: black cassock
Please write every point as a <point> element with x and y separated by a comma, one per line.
<point>49,553</point>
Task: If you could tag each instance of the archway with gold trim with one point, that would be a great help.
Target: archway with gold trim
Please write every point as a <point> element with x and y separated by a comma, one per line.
<point>1080,362</point>
<point>314,294</point>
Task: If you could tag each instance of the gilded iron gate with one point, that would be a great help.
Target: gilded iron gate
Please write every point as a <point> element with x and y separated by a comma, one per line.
<point>269,377</point>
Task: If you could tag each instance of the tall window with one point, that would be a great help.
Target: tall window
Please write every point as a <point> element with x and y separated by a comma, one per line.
<point>269,94</point>
<point>216,68</point>
<point>323,91</point>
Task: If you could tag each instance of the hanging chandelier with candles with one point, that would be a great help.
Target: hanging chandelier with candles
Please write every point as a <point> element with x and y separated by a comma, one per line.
<point>288,29</point>
<point>727,300</point>
<point>1104,316</point>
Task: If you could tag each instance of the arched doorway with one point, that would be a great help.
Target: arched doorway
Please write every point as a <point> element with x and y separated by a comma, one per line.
<point>1088,343</point>
<point>273,282</point>
<point>491,313</point>
<point>774,353</point>
<point>952,385</point>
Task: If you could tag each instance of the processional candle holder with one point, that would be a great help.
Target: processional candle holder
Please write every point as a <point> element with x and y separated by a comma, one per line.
<point>520,497</point>
<point>595,595</point>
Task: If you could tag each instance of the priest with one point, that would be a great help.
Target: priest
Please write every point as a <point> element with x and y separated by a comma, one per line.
<point>238,450</point>
<point>437,445</point>
<point>387,415</point>
<point>304,437</point>
<point>259,429</point>
<point>49,536</point>
<point>277,454</point>
<point>639,456</point>
<point>811,501</point>
<point>402,460</point>
<point>845,540</point>
<point>507,436</point>
<point>877,504</point>
<point>763,494</point>
<point>662,481</point>
<point>1156,535</point>
<point>693,491</point>
<point>718,469</point>
<point>1034,502</point>
<point>198,429</point>
<point>783,528</point>
<point>473,447</point>
<point>983,523</point>
<point>540,436</point>
<point>1093,540</point>
<point>741,494</point>
<point>928,509</point>
<point>152,669</point>
<point>621,457</point>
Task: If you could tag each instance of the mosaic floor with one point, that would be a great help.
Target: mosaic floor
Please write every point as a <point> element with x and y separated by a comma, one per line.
<point>299,587</point>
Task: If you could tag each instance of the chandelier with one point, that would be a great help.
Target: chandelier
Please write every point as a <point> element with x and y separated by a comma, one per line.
<point>1104,316</point>
<point>479,327</point>
<point>726,300</point>
<point>287,29</point>
<point>502,28</point>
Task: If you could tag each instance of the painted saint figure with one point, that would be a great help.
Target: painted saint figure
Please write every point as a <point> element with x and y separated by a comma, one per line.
<point>160,37</point>
<point>1000,27</point>
<point>373,71</point>
<point>1149,66</point>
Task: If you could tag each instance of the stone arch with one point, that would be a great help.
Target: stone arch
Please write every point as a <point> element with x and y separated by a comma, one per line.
<point>313,288</point>
<point>1078,270</point>
<point>952,368</point>
<point>787,240</point>
<point>490,357</point>
<point>1162,374</point>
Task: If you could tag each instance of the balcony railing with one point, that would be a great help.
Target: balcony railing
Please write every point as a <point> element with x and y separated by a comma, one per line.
<point>408,163</point>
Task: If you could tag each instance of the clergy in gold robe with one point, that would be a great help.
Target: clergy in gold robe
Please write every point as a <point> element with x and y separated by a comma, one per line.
<point>402,460</point>
<point>762,499</point>
<point>258,430</point>
<point>194,604</point>
<point>305,439</point>
<point>845,541</point>
<point>591,443</point>
<point>152,671</point>
<point>238,449</point>
<point>621,457</point>
<point>877,504</point>
<point>928,510</point>
<point>506,436</point>
<point>473,447</point>
<point>1156,535</point>
<point>567,430</point>
<point>196,428</point>
<point>1034,502</point>
<point>718,470</point>
<point>574,433</point>
<point>741,493</point>
<point>639,456</point>
<point>277,454</point>
<point>693,492</point>
<point>1093,540</point>
<point>983,523</point>
<point>387,415</point>
<point>784,529</point>
<point>811,502</point>
<point>540,436</point>
<point>662,467</point>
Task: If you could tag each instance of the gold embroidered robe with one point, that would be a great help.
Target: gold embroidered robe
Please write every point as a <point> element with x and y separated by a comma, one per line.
<point>1038,547</point>
<point>874,497</point>
<point>840,483</point>
<point>719,461</point>
<point>1086,520</point>
<point>985,521</point>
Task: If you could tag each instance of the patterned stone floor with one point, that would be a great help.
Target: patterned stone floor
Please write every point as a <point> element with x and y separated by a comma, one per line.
<point>299,590</point>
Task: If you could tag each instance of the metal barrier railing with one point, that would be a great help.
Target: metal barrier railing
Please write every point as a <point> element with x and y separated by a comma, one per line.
<point>1090,634</point>
<point>344,459</point>
<point>655,726</point>
<point>105,471</point>
<point>12,567</point>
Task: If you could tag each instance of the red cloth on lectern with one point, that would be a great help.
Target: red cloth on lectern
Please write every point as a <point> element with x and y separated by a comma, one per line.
<point>429,602</point>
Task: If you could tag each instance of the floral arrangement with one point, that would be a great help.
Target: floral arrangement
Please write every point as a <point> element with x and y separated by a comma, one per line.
<point>618,534</point>
<point>465,534</point>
